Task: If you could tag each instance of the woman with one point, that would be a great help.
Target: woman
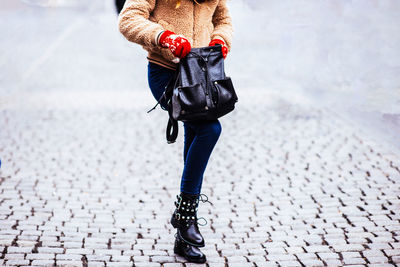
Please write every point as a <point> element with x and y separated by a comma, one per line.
<point>168,29</point>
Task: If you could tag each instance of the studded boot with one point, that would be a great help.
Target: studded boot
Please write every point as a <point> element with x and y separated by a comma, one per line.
<point>190,253</point>
<point>184,219</point>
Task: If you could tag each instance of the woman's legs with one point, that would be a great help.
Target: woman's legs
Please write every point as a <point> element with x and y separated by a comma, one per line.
<point>200,139</point>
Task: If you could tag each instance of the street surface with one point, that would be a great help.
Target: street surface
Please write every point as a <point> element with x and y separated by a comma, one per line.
<point>87,178</point>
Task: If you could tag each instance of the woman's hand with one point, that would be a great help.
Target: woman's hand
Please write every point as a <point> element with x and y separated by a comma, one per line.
<point>224,48</point>
<point>178,44</point>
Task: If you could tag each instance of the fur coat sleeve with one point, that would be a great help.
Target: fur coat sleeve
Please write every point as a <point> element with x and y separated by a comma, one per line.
<point>222,24</point>
<point>135,25</point>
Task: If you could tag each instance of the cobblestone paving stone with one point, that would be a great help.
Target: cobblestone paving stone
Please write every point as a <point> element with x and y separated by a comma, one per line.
<point>86,183</point>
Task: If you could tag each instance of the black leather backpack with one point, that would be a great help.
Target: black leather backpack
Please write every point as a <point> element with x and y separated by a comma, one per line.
<point>200,90</point>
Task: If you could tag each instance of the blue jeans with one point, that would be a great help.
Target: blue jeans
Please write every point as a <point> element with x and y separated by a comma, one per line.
<point>200,136</point>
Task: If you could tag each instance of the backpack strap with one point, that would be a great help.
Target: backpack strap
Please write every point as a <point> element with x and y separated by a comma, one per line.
<point>172,130</point>
<point>158,102</point>
<point>172,125</point>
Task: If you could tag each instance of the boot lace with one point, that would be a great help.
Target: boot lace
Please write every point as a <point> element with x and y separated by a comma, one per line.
<point>203,198</point>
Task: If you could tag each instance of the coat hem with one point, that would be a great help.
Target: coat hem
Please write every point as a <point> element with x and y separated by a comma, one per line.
<point>162,63</point>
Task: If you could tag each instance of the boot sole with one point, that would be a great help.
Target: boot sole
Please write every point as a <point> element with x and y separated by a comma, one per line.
<point>178,252</point>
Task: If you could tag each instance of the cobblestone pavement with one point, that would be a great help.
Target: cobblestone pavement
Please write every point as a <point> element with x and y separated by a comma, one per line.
<point>88,180</point>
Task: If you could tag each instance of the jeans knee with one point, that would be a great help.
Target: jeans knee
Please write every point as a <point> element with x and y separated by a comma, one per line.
<point>215,129</point>
<point>206,129</point>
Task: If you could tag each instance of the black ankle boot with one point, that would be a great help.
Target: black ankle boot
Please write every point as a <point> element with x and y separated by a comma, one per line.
<point>185,219</point>
<point>190,253</point>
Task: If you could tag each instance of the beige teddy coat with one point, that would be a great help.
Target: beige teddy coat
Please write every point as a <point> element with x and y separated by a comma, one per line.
<point>141,21</point>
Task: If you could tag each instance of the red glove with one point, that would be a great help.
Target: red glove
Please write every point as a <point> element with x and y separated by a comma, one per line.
<point>224,48</point>
<point>178,44</point>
